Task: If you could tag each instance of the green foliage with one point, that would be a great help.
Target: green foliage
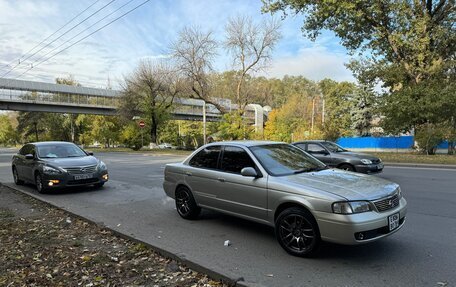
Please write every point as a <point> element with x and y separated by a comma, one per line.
<point>234,127</point>
<point>428,136</point>
<point>133,137</point>
<point>362,112</point>
<point>8,135</point>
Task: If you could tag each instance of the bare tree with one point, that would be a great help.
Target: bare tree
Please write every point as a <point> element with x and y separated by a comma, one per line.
<point>251,45</point>
<point>150,92</point>
<point>194,52</point>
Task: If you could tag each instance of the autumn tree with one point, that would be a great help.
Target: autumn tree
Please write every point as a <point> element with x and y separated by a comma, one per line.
<point>194,52</point>
<point>250,45</point>
<point>149,92</point>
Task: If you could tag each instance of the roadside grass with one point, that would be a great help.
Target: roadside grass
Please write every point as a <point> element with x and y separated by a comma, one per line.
<point>151,151</point>
<point>416,158</point>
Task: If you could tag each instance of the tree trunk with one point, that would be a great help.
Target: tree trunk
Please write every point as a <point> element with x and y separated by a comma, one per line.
<point>35,124</point>
<point>153,130</point>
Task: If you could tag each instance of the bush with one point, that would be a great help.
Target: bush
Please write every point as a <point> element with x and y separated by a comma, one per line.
<point>428,137</point>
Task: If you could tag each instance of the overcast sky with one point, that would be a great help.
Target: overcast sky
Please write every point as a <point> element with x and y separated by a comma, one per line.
<point>145,33</point>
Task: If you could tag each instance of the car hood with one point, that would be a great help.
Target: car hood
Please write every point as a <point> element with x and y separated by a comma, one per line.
<point>357,155</point>
<point>72,161</point>
<point>349,185</point>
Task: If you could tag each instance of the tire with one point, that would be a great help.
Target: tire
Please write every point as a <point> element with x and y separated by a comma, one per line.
<point>17,181</point>
<point>99,185</point>
<point>185,203</point>
<point>347,167</point>
<point>297,232</point>
<point>39,183</point>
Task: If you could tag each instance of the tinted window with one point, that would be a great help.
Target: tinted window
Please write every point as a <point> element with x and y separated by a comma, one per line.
<point>206,158</point>
<point>283,159</point>
<point>315,148</point>
<point>60,151</point>
<point>235,159</point>
<point>302,146</point>
<point>27,149</point>
<point>333,147</point>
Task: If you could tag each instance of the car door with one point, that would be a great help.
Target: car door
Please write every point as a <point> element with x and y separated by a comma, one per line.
<point>241,194</point>
<point>19,160</point>
<point>319,152</point>
<point>27,168</point>
<point>202,175</point>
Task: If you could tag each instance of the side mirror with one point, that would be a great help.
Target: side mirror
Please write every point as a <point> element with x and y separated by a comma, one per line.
<point>249,171</point>
<point>29,156</point>
<point>323,152</point>
<point>90,152</point>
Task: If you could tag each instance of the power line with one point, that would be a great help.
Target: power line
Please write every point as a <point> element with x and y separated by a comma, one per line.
<point>72,28</point>
<point>102,27</point>
<point>43,56</point>
<point>6,65</point>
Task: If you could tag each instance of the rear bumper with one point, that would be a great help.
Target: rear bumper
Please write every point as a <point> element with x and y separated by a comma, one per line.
<point>68,180</point>
<point>345,229</point>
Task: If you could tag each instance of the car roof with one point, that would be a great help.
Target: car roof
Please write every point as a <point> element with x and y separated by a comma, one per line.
<point>311,141</point>
<point>246,143</point>
<point>50,143</point>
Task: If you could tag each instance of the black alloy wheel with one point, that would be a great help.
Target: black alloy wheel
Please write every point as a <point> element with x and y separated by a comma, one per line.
<point>297,232</point>
<point>17,181</point>
<point>347,167</point>
<point>185,204</point>
<point>39,183</point>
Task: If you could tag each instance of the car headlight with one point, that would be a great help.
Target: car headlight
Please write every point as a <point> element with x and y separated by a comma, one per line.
<point>366,161</point>
<point>350,207</point>
<point>50,170</point>
<point>102,166</point>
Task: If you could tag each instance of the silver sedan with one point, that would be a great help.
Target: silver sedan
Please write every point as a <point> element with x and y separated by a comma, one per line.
<point>283,186</point>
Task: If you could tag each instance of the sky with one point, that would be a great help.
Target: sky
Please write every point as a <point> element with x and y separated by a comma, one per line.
<point>147,32</point>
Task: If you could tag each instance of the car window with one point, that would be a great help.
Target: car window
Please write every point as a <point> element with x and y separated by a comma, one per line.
<point>302,146</point>
<point>284,159</point>
<point>25,149</point>
<point>333,147</point>
<point>206,158</point>
<point>311,147</point>
<point>60,151</point>
<point>235,159</point>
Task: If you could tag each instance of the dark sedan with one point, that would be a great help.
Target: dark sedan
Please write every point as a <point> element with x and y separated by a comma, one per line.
<point>51,165</point>
<point>334,155</point>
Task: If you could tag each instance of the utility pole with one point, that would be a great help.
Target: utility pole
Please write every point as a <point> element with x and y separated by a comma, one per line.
<point>204,122</point>
<point>323,110</point>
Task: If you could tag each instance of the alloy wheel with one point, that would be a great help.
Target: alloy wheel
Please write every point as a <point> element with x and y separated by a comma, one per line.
<point>183,202</point>
<point>296,233</point>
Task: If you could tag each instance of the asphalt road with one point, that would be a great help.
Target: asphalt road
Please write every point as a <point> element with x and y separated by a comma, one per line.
<point>423,253</point>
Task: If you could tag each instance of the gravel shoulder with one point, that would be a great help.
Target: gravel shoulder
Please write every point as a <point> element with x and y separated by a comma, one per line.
<point>45,246</point>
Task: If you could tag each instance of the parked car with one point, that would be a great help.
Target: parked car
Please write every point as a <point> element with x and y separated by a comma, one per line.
<point>52,165</point>
<point>280,185</point>
<point>165,146</point>
<point>334,155</point>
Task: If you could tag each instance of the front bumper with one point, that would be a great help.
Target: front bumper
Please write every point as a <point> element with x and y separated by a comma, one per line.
<point>345,229</point>
<point>369,168</point>
<point>68,180</point>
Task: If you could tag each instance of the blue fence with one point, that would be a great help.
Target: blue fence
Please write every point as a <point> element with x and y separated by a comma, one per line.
<point>402,142</point>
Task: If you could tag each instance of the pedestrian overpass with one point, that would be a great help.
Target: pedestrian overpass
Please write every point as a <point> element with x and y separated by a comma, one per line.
<point>30,96</point>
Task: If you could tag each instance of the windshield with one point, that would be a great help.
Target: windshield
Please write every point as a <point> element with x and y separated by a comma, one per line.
<point>60,151</point>
<point>284,159</point>
<point>333,147</point>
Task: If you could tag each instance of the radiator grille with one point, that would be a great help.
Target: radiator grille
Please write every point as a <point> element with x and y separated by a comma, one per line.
<point>387,203</point>
<point>81,170</point>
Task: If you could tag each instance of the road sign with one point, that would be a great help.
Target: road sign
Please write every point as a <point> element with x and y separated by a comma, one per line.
<point>141,124</point>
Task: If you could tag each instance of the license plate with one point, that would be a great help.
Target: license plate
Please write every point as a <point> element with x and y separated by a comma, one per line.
<point>380,166</point>
<point>83,176</point>
<point>393,221</point>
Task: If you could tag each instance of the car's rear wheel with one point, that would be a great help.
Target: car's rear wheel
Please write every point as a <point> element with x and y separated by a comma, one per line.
<point>39,183</point>
<point>297,232</point>
<point>185,203</point>
<point>347,167</point>
<point>17,181</point>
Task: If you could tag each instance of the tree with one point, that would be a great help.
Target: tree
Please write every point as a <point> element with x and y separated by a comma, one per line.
<point>194,52</point>
<point>363,111</point>
<point>149,92</point>
<point>406,45</point>
<point>8,135</point>
<point>251,46</point>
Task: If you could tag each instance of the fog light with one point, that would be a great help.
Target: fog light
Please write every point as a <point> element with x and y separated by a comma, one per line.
<point>53,181</point>
<point>359,236</point>
<point>105,176</point>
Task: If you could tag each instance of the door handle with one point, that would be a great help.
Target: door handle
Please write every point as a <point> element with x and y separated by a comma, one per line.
<point>221,179</point>
<point>188,173</point>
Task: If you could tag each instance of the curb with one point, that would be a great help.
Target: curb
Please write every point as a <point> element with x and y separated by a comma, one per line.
<point>181,258</point>
<point>421,165</point>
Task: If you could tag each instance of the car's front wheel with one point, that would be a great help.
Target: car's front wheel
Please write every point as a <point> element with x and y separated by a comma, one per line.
<point>185,203</point>
<point>17,181</point>
<point>347,167</point>
<point>39,183</point>
<point>297,232</point>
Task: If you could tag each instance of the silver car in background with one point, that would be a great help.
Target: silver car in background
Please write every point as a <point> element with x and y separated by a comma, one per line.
<point>281,185</point>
